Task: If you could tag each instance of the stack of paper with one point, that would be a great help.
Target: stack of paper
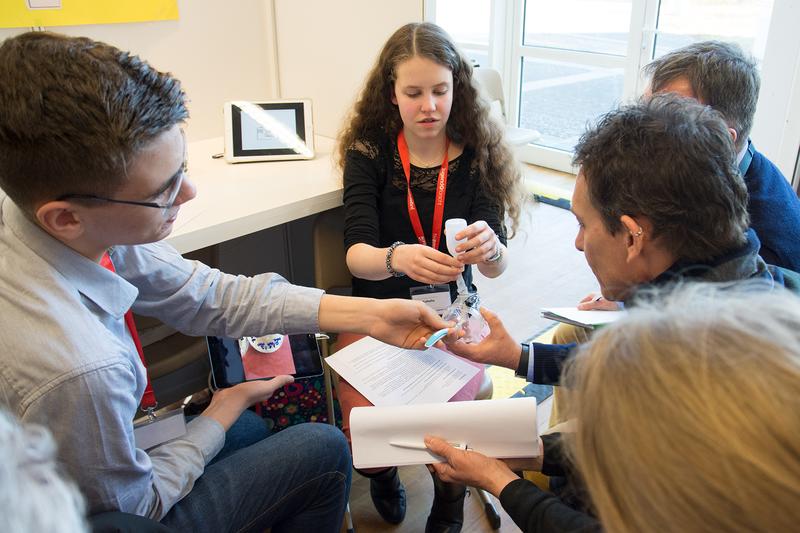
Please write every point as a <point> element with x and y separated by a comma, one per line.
<point>387,375</point>
<point>387,436</point>
<point>585,319</point>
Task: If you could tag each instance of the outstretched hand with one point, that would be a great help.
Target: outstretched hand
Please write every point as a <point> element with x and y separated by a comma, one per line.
<point>469,467</point>
<point>424,264</point>
<point>597,302</point>
<point>405,323</point>
<point>497,348</point>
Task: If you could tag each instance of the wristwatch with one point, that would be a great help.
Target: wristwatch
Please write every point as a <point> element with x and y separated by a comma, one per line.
<point>498,253</point>
<point>524,358</point>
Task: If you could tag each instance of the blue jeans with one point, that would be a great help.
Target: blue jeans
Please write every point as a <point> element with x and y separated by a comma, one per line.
<point>295,480</point>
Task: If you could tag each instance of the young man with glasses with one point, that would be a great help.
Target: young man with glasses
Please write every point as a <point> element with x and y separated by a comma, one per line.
<point>92,170</point>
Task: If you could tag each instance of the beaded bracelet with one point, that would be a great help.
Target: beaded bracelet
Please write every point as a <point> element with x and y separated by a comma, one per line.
<point>389,254</point>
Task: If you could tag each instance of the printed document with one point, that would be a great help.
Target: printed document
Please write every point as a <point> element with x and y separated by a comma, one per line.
<point>387,375</point>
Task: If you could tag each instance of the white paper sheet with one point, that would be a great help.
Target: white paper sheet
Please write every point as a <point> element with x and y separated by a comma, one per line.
<point>497,428</point>
<point>387,375</point>
<point>577,317</point>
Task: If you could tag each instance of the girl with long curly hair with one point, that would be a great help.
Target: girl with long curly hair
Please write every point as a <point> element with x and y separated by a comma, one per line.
<point>417,149</point>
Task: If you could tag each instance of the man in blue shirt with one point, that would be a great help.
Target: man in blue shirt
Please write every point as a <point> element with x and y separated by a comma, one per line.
<point>718,74</point>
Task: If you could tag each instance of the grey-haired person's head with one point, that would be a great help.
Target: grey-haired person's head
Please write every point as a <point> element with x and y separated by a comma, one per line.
<point>34,495</point>
<point>687,412</point>
<point>719,74</point>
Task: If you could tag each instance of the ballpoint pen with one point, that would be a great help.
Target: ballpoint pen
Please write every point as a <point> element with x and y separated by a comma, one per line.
<point>421,445</point>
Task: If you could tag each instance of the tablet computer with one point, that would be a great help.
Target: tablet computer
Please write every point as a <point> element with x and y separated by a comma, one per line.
<point>268,131</point>
<point>250,358</point>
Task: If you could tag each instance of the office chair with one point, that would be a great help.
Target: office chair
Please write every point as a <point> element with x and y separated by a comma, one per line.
<point>490,85</point>
<point>332,275</point>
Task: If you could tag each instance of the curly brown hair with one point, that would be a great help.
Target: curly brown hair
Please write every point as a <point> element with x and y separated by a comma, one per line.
<point>469,124</point>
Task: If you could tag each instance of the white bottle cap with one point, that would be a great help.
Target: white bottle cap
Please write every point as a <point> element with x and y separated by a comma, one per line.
<point>451,227</point>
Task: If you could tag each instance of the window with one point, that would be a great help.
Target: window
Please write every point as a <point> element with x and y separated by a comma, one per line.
<point>566,62</point>
<point>467,21</point>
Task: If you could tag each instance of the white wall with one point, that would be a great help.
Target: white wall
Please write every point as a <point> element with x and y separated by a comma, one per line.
<point>325,49</point>
<point>776,130</point>
<point>219,50</point>
<point>227,50</point>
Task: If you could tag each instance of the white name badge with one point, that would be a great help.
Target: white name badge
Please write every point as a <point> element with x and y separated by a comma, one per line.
<point>159,428</point>
<point>436,297</point>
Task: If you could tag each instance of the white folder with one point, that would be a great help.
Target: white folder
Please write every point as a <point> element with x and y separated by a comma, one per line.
<point>496,428</point>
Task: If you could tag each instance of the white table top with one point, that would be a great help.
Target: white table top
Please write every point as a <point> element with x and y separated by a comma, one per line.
<point>238,199</point>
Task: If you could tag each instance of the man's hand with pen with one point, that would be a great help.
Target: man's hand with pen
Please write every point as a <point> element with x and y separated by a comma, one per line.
<point>595,301</point>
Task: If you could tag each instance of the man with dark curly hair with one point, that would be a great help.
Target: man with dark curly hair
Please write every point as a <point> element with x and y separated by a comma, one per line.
<point>659,200</point>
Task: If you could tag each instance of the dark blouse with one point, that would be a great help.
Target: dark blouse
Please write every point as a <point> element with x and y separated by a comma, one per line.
<point>376,212</point>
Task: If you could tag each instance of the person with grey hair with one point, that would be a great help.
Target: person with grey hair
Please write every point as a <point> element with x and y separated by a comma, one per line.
<point>659,200</point>
<point>720,75</point>
<point>34,496</point>
<point>685,420</point>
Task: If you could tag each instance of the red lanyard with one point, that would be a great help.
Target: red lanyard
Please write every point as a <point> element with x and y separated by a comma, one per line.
<point>441,188</point>
<point>149,398</point>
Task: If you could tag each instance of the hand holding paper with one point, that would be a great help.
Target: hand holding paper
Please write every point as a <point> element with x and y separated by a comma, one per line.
<point>496,428</point>
<point>469,467</point>
<point>596,302</point>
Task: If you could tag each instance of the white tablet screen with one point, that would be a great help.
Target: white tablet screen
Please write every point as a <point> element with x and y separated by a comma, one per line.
<point>269,129</point>
<point>256,136</point>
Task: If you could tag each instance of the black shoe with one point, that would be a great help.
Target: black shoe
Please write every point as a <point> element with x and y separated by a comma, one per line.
<point>388,495</point>
<point>447,512</point>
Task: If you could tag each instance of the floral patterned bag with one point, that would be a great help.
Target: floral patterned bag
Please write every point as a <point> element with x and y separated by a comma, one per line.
<point>298,402</point>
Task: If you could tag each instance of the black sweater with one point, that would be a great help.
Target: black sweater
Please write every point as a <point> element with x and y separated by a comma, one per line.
<point>376,212</point>
<point>535,510</point>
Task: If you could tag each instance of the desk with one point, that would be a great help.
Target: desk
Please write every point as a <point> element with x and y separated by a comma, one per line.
<point>239,199</point>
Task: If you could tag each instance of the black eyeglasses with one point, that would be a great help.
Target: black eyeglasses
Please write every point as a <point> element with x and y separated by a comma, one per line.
<point>173,190</point>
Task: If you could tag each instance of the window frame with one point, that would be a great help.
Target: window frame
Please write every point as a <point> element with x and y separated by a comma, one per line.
<point>777,123</point>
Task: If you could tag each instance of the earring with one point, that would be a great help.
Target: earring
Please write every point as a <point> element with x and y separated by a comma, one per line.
<point>638,232</point>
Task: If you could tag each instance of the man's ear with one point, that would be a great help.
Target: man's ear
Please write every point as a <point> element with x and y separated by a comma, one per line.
<point>634,236</point>
<point>60,219</point>
<point>734,135</point>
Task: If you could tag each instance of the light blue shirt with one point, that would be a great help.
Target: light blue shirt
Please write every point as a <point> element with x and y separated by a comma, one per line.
<point>69,364</point>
